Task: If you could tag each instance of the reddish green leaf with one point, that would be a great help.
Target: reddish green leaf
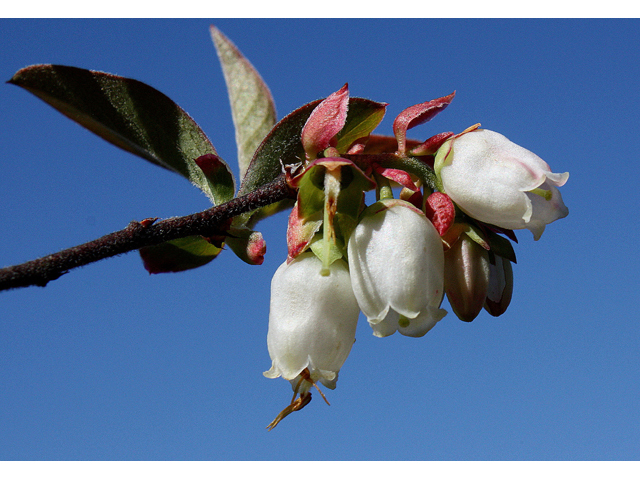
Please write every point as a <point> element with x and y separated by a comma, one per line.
<point>178,255</point>
<point>214,169</point>
<point>362,119</point>
<point>283,145</point>
<point>325,122</point>
<point>417,115</point>
<point>132,116</point>
<point>431,145</point>
<point>377,144</point>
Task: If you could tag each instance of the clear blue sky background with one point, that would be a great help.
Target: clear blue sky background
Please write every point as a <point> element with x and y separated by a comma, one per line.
<point>110,363</point>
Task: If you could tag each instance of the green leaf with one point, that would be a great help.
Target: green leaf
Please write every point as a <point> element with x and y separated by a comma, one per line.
<point>282,146</point>
<point>501,246</point>
<point>132,116</point>
<point>311,191</point>
<point>362,118</point>
<point>252,106</point>
<point>178,255</point>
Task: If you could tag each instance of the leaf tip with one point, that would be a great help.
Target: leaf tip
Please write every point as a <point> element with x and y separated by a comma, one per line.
<point>210,164</point>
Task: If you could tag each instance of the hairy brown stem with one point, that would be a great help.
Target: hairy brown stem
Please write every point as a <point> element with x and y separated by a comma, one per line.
<point>141,234</point>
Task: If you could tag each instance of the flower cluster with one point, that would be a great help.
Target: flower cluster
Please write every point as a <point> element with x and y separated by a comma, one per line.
<point>448,232</point>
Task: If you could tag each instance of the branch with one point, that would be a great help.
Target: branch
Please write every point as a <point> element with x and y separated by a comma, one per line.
<point>141,234</point>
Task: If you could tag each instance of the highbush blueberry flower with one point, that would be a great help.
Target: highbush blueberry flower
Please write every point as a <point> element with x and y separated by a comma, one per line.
<point>498,182</point>
<point>312,324</point>
<point>396,262</point>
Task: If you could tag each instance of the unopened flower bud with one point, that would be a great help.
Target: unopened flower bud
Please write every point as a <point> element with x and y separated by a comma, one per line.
<point>466,277</point>
<point>500,287</point>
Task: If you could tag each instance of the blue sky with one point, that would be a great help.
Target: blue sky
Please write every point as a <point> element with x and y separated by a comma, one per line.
<point>110,363</point>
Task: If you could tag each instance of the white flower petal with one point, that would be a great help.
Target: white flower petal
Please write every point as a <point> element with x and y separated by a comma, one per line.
<point>489,178</point>
<point>396,262</point>
<point>312,319</point>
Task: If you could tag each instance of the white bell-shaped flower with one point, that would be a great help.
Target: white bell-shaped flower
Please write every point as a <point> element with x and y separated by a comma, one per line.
<point>396,261</point>
<point>312,322</point>
<point>498,182</point>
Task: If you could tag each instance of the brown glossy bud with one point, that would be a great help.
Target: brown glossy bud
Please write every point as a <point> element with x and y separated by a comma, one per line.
<point>500,287</point>
<point>466,277</point>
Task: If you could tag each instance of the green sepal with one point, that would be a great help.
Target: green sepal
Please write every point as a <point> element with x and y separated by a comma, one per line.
<point>443,156</point>
<point>353,183</point>
<point>317,247</point>
<point>132,116</point>
<point>179,255</point>
<point>311,200</point>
